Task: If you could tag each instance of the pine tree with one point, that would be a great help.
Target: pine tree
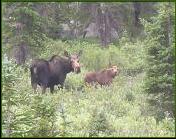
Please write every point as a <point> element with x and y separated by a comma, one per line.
<point>160,59</point>
<point>16,117</point>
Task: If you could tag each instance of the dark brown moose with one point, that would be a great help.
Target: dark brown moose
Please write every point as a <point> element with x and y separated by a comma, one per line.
<point>103,77</point>
<point>53,72</point>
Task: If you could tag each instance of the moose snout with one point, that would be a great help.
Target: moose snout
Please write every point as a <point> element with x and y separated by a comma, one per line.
<point>77,69</point>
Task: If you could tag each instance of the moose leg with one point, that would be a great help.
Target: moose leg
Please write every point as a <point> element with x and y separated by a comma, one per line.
<point>43,89</point>
<point>34,86</point>
<point>61,85</point>
<point>51,89</point>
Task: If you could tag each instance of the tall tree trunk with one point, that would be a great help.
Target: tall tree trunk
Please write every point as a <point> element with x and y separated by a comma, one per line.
<point>137,10</point>
<point>113,23</point>
<point>76,21</point>
<point>86,26</point>
<point>107,27</point>
<point>103,24</point>
<point>20,54</point>
<point>100,25</point>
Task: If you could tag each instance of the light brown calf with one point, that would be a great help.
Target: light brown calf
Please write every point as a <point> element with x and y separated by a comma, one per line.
<point>103,77</point>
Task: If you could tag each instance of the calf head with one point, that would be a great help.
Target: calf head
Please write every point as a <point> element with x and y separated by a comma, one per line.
<point>74,61</point>
<point>113,71</point>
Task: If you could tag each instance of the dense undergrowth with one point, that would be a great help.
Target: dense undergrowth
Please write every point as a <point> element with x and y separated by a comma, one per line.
<point>120,110</point>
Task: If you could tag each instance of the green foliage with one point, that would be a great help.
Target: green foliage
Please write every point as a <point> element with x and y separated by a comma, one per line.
<point>44,112</point>
<point>22,26</point>
<point>65,124</point>
<point>129,57</point>
<point>16,115</point>
<point>98,124</point>
<point>122,109</point>
<point>160,58</point>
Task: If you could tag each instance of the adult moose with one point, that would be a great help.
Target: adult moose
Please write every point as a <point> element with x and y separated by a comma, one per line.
<point>103,77</point>
<point>53,72</point>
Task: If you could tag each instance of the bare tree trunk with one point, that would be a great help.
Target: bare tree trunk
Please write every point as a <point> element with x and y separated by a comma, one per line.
<point>94,8</point>
<point>85,31</point>
<point>104,20</point>
<point>113,23</point>
<point>137,10</point>
<point>44,12</point>
<point>76,22</point>
<point>100,25</point>
<point>20,54</point>
<point>107,28</point>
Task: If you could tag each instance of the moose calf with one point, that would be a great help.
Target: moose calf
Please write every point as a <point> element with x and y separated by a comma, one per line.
<point>103,77</point>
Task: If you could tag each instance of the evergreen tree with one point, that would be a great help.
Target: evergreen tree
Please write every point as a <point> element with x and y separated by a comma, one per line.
<point>160,59</point>
<point>16,117</point>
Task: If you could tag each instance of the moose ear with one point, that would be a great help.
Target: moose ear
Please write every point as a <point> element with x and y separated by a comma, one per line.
<point>80,53</point>
<point>66,53</point>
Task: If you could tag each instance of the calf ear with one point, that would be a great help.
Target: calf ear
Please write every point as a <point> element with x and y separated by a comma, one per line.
<point>66,53</point>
